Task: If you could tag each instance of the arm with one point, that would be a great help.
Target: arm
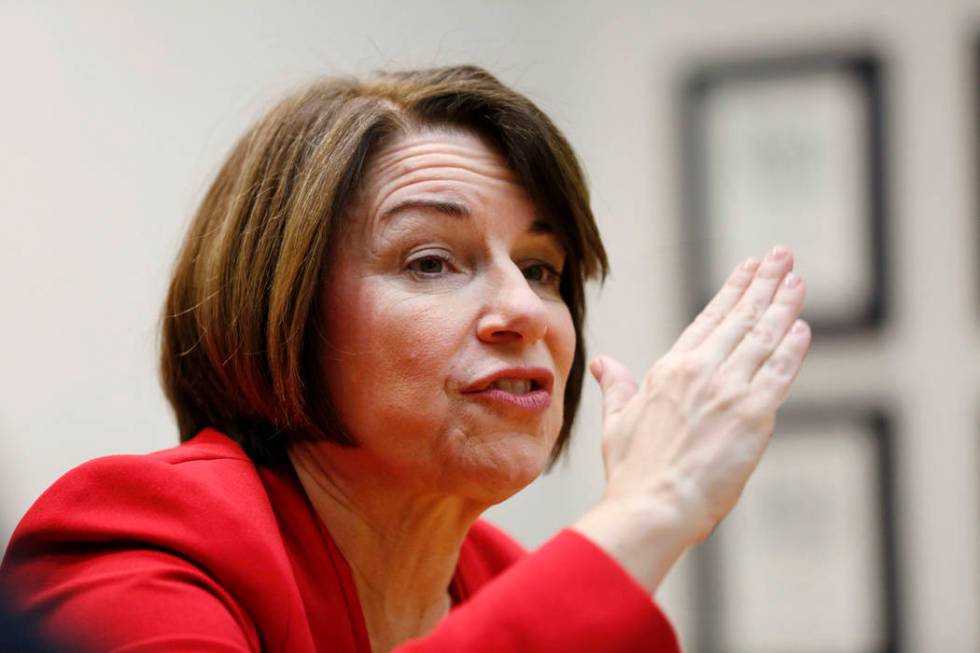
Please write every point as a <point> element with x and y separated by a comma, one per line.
<point>567,596</point>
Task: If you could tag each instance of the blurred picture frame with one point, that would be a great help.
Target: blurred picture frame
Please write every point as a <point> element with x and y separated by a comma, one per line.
<point>975,79</point>
<point>789,150</point>
<point>807,562</point>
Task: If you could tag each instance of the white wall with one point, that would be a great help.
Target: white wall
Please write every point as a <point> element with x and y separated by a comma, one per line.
<point>114,117</point>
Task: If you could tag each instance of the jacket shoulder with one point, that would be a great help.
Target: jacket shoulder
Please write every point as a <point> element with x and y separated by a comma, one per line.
<point>181,532</point>
<point>190,499</point>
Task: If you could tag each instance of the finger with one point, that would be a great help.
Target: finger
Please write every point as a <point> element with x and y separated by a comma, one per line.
<point>750,307</point>
<point>616,382</point>
<point>719,306</point>
<point>761,341</point>
<point>772,382</point>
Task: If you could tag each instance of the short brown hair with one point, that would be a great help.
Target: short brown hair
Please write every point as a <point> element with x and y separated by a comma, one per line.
<point>240,327</point>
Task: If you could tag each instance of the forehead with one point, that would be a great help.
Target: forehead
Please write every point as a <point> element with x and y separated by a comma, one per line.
<point>439,149</point>
<point>441,164</point>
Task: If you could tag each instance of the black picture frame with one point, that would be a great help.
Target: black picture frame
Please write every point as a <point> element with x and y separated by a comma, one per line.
<point>703,85</point>
<point>717,605</point>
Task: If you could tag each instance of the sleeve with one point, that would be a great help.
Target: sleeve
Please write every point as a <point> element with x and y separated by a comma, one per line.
<point>568,596</point>
<point>130,600</point>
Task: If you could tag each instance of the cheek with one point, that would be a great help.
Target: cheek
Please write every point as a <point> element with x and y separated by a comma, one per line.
<point>562,345</point>
<point>393,358</point>
<point>415,339</point>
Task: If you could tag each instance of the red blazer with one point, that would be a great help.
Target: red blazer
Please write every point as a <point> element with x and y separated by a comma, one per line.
<point>196,549</point>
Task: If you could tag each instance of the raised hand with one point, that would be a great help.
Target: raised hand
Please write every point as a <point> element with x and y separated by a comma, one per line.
<point>679,447</point>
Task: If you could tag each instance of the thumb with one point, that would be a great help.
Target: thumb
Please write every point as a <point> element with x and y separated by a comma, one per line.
<point>616,383</point>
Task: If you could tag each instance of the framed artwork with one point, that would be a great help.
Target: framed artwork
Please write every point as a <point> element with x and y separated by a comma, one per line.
<point>789,151</point>
<point>806,561</point>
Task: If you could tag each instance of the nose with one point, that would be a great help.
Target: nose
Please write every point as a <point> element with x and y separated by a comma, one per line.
<point>513,311</point>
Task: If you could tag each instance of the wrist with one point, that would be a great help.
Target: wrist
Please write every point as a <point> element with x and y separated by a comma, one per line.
<point>646,536</point>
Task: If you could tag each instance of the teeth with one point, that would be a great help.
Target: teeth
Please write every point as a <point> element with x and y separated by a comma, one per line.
<point>516,386</point>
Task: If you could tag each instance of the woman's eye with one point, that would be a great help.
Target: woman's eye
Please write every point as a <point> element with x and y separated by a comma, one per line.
<point>542,273</point>
<point>428,265</point>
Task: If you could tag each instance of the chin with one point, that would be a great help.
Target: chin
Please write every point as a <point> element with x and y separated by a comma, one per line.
<point>502,471</point>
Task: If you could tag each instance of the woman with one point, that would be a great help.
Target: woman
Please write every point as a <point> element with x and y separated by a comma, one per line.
<point>373,333</point>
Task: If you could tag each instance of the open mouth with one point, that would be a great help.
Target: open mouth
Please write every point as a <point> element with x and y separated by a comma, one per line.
<point>516,386</point>
<point>515,380</point>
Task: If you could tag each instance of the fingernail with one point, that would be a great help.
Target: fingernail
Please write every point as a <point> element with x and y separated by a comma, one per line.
<point>792,280</point>
<point>779,253</point>
<point>750,264</point>
<point>799,327</point>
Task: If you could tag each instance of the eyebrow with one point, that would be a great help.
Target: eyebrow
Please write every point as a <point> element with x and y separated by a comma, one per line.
<point>446,207</point>
<point>453,210</point>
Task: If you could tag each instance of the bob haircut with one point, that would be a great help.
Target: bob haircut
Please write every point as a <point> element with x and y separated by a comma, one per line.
<point>240,337</point>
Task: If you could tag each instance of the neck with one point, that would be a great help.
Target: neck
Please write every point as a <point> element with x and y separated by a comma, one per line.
<point>402,545</point>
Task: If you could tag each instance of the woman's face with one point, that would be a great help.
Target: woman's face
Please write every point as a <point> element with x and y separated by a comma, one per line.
<point>447,344</point>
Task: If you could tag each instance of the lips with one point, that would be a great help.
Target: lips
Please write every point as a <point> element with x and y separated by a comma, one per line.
<point>515,391</point>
